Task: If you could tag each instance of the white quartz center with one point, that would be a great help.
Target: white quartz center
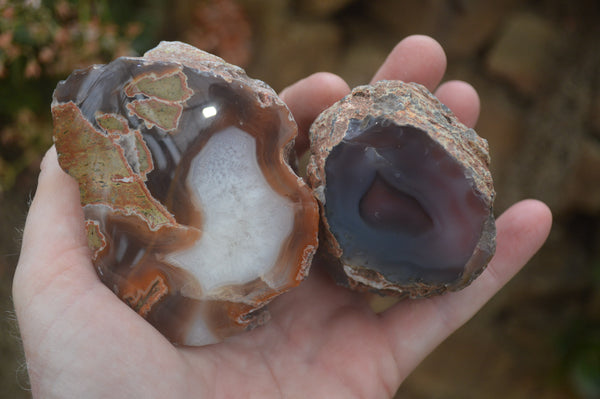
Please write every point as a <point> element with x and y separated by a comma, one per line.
<point>245,222</point>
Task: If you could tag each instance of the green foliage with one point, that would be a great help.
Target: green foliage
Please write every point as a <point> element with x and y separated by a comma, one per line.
<point>581,351</point>
<point>580,344</point>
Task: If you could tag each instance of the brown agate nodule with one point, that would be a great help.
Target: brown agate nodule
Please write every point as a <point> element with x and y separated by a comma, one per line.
<point>405,191</point>
<point>193,214</point>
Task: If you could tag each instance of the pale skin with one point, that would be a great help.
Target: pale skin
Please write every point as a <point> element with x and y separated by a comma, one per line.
<point>323,341</point>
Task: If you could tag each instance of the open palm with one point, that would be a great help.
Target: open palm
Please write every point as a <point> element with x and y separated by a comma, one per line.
<point>323,341</point>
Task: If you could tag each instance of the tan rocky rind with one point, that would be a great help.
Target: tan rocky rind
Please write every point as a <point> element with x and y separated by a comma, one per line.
<point>411,107</point>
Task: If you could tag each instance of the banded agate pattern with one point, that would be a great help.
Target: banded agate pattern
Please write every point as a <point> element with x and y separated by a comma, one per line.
<point>193,214</point>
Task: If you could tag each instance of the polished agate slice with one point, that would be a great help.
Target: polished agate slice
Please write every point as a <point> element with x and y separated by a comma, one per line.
<point>194,217</point>
<point>405,191</point>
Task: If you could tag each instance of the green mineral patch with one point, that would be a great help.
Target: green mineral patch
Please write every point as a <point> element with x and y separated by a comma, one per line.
<point>112,123</point>
<point>144,156</point>
<point>97,162</point>
<point>155,112</point>
<point>96,240</point>
<point>167,87</point>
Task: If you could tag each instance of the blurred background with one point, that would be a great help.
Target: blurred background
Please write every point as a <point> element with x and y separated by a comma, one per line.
<point>535,63</point>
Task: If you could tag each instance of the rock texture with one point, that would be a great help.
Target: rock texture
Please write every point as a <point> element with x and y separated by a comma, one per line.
<point>405,191</point>
<point>194,217</point>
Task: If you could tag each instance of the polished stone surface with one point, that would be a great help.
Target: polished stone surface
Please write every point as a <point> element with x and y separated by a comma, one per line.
<point>194,217</point>
<point>405,192</point>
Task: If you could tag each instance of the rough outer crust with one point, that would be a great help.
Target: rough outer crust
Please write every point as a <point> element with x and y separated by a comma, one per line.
<point>409,104</point>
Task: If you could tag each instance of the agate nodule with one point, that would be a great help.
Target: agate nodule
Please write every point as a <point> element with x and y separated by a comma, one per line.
<point>405,192</point>
<point>193,215</point>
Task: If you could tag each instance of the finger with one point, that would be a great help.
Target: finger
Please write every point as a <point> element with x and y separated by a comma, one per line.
<point>70,323</point>
<point>54,237</point>
<point>415,59</point>
<point>417,327</point>
<point>308,97</point>
<point>462,99</point>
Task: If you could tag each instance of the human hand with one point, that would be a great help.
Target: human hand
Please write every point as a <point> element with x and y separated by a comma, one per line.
<point>323,341</point>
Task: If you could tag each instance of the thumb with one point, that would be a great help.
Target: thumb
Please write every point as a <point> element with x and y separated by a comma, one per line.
<point>55,259</point>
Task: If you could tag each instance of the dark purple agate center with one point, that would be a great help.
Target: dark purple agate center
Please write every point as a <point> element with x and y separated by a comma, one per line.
<point>398,204</point>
